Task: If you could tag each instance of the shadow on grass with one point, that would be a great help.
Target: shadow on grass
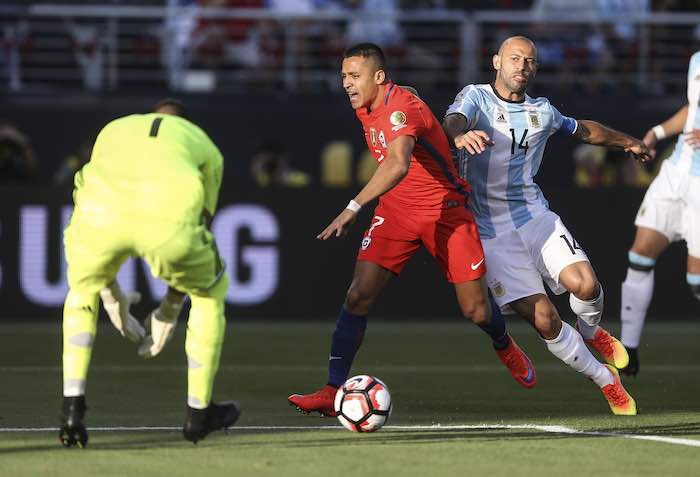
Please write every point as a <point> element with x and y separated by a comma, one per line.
<point>284,439</point>
<point>409,437</point>
<point>682,429</point>
<point>153,441</point>
<point>427,438</point>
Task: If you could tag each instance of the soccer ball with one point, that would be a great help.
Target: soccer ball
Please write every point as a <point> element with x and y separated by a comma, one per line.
<point>363,404</point>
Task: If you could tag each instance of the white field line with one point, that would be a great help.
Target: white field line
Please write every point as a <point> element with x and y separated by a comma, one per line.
<point>427,327</point>
<point>275,368</point>
<point>435,427</point>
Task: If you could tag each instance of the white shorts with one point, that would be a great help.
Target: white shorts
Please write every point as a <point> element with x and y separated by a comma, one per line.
<point>671,206</point>
<point>520,260</point>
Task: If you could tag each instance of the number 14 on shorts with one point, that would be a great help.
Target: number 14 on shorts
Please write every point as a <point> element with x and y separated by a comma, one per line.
<point>571,243</point>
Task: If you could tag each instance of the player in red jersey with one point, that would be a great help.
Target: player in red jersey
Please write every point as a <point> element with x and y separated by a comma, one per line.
<point>421,201</point>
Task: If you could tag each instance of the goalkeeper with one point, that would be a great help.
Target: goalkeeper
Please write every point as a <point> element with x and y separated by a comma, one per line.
<point>150,191</point>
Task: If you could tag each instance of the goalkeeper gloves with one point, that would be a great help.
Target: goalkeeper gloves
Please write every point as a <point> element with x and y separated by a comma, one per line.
<point>117,306</point>
<point>161,324</point>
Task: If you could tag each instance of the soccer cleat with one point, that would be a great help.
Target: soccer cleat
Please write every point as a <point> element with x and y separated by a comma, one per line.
<point>518,364</point>
<point>620,401</point>
<point>609,348</point>
<point>320,401</point>
<point>633,367</point>
<point>72,431</point>
<point>201,422</point>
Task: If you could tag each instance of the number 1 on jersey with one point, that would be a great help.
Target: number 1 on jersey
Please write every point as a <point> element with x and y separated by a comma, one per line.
<point>155,125</point>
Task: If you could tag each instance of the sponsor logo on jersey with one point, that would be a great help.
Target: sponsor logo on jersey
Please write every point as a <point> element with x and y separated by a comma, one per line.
<point>501,117</point>
<point>373,136</point>
<point>366,242</point>
<point>398,120</point>
<point>382,139</point>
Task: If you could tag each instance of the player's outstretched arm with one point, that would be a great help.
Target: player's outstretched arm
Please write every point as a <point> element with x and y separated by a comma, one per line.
<point>671,127</point>
<point>389,173</point>
<point>473,141</point>
<point>454,125</point>
<point>595,133</point>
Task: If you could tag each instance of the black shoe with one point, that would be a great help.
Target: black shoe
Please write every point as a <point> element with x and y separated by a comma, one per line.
<point>200,422</point>
<point>72,431</point>
<point>633,367</point>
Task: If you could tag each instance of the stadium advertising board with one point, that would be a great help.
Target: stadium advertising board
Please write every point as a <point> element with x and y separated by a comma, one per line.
<point>279,270</point>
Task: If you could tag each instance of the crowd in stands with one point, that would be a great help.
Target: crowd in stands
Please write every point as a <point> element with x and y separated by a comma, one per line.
<point>198,52</point>
<point>190,50</point>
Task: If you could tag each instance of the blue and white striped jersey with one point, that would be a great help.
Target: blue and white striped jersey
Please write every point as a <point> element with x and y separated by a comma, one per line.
<point>684,157</point>
<point>504,194</point>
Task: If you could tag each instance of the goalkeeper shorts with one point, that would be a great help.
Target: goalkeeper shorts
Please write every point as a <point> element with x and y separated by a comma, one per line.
<point>96,244</point>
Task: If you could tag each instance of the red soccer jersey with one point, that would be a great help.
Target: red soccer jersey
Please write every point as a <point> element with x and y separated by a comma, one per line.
<point>432,180</point>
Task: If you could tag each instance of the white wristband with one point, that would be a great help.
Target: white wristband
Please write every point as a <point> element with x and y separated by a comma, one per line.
<point>659,132</point>
<point>354,206</point>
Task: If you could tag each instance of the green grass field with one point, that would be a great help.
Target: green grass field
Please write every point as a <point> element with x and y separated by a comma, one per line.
<point>457,411</point>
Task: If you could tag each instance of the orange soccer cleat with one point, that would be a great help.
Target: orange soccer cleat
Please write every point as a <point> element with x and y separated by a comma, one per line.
<point>320,401</point>
<point>518,363</point>
<point>620,401</point>
<point>609,348</point>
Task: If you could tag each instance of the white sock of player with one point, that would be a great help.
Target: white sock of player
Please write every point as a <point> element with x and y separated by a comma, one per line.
<point>637,290</point>
<point>569,347</point>
<point>588,313</point>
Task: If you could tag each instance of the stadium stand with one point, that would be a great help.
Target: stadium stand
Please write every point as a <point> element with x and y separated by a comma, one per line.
<point>233,45</point>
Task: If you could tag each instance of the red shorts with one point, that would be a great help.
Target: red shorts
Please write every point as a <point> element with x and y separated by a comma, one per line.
<point>450,235</point>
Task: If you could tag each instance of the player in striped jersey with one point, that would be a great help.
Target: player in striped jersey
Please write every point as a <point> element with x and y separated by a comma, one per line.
<point>501,133</point>
<point>669,212</point>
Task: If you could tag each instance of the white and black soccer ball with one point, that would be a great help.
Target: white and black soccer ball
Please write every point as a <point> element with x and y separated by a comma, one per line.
<point>363,403</point>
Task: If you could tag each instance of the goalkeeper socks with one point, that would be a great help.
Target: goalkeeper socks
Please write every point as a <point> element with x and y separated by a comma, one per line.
<point>496,327</point>
<point>79,327</point>
<point>347,338</point>
<point>205,336</point>
<point>569,347</point>
<point>637,290</point>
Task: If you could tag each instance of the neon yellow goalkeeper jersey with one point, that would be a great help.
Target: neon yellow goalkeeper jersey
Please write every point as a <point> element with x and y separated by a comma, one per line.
<point>154,165</point>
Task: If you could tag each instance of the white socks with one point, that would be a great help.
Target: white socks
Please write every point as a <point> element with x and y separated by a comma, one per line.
<point>588,312</point>
<point>569,347</point>
<point>637,290</point>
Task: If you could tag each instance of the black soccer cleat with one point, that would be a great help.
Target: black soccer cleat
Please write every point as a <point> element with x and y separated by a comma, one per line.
<point>200,422</point>
<point>633,367</point>
<point>72,432</point>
